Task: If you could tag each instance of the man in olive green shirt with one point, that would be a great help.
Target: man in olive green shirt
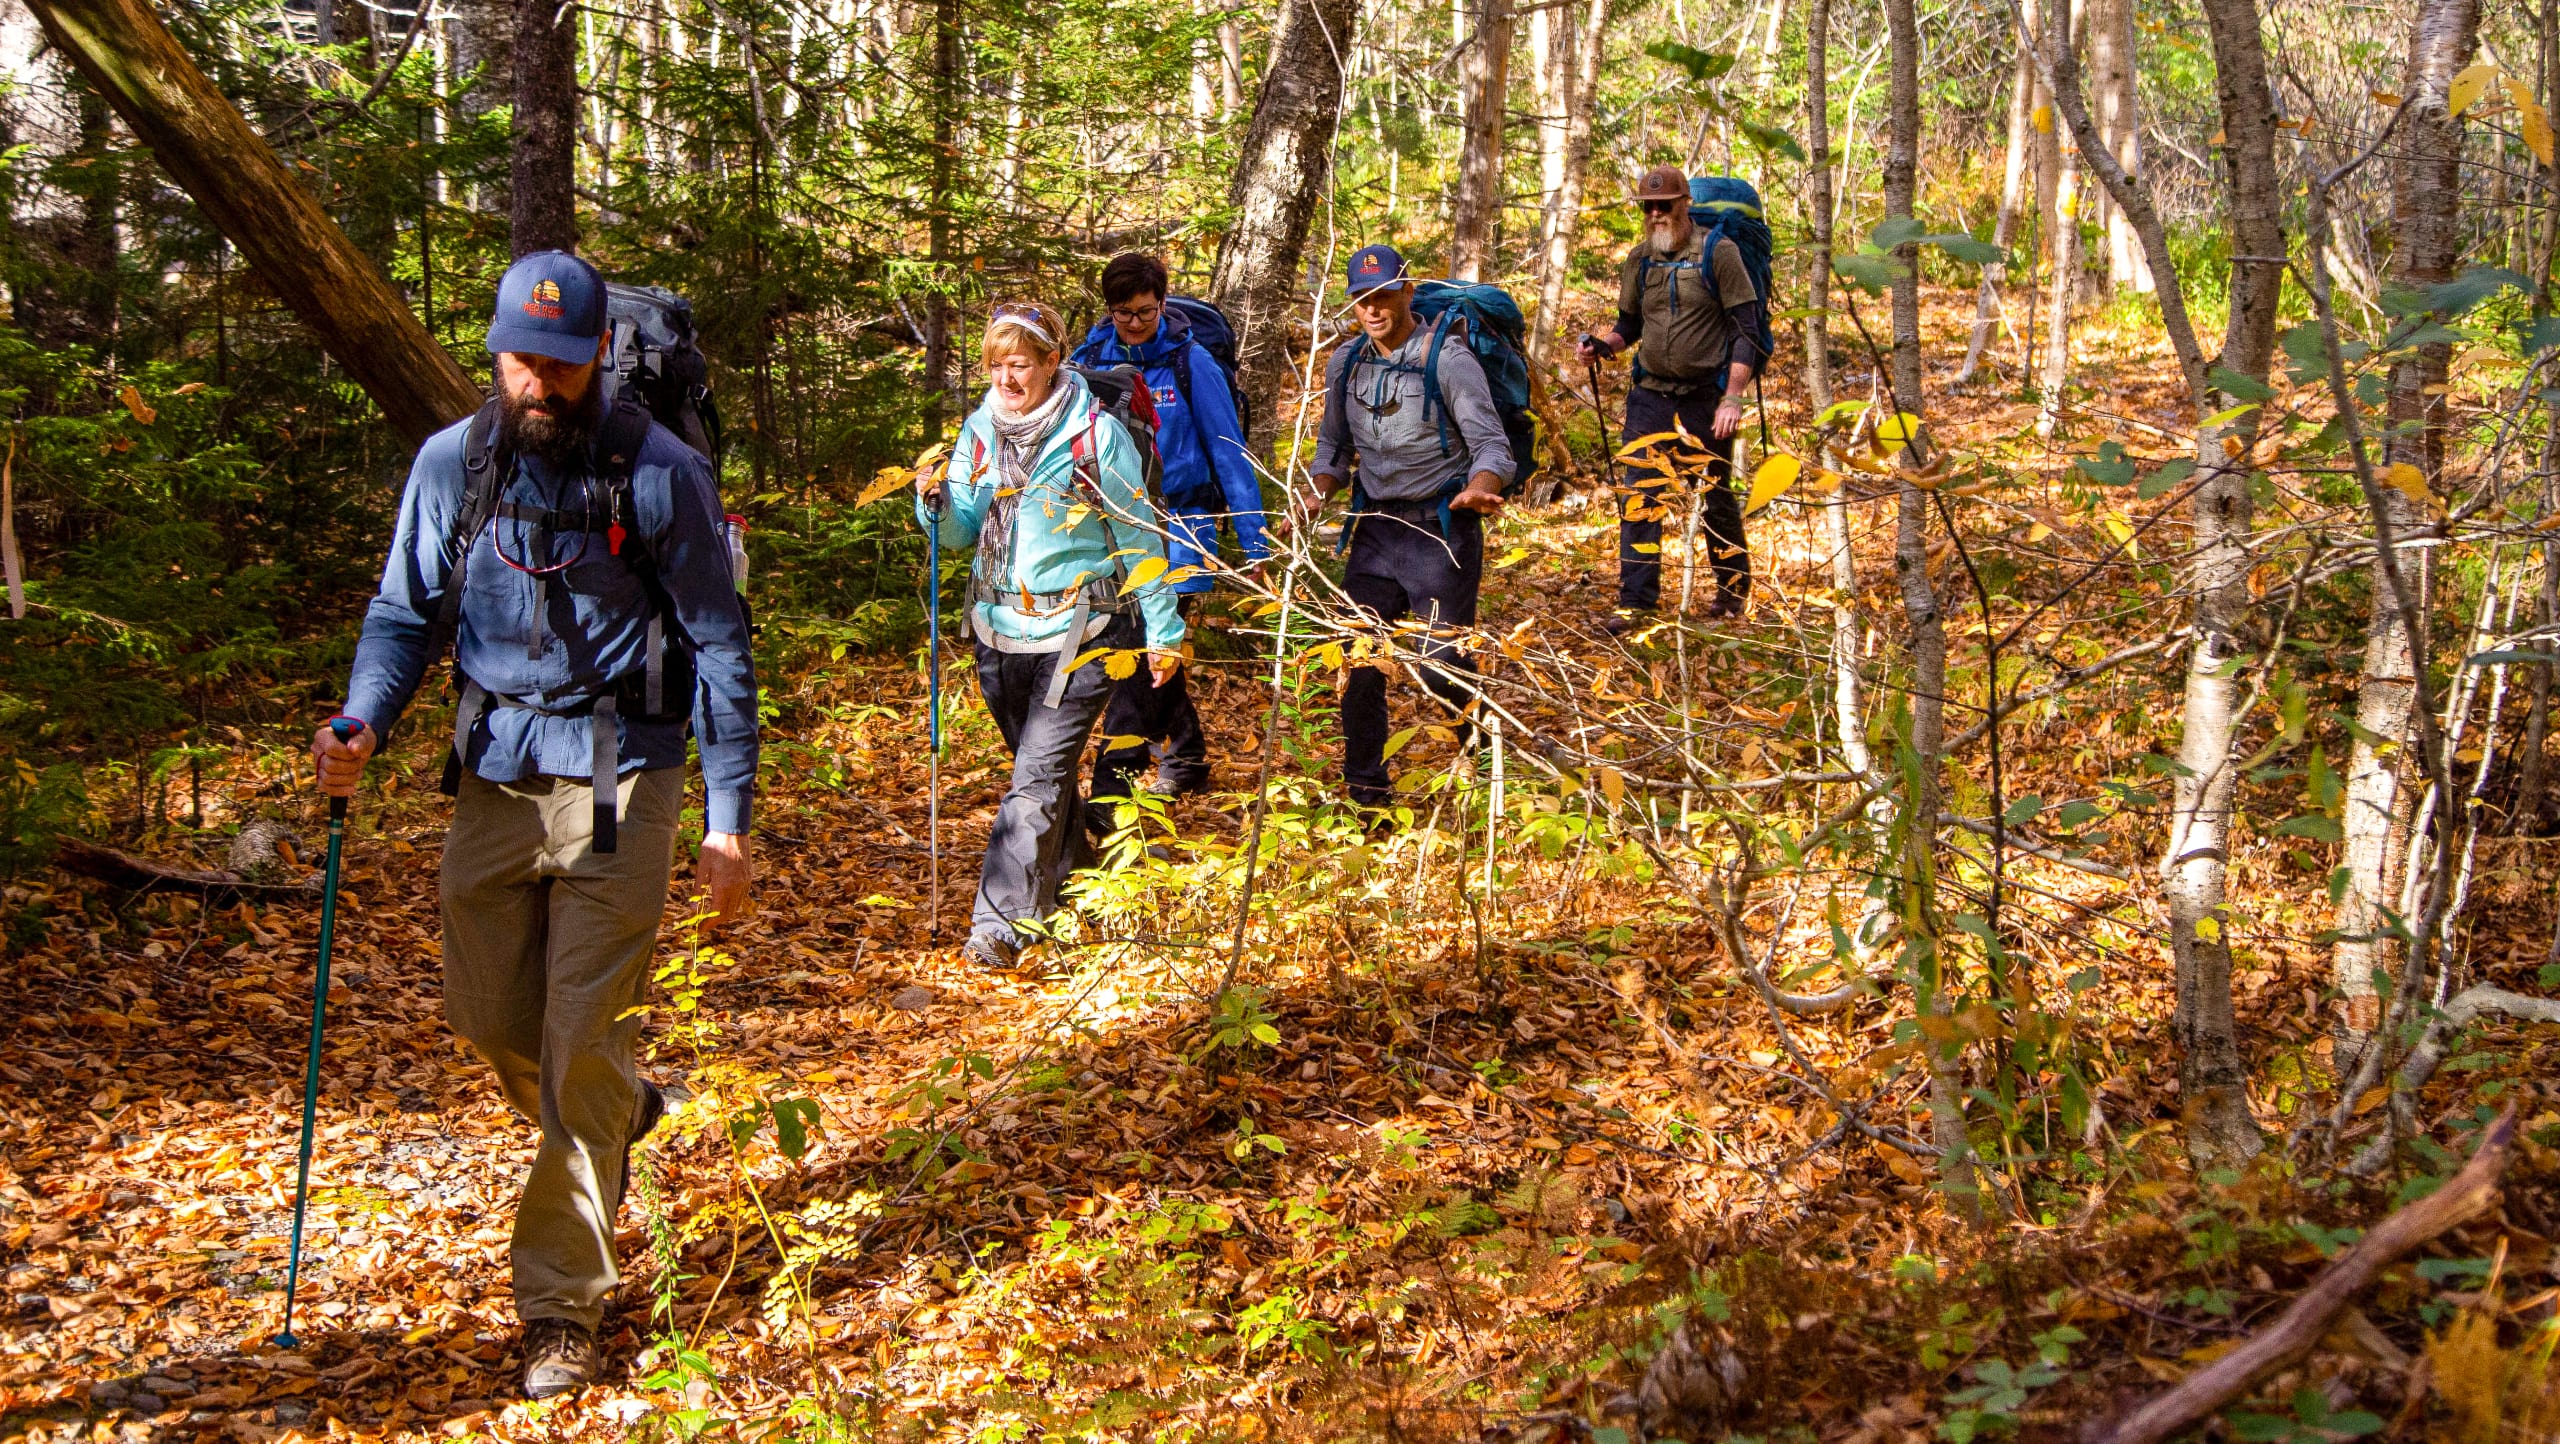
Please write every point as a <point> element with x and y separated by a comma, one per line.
<point>1686,302</point>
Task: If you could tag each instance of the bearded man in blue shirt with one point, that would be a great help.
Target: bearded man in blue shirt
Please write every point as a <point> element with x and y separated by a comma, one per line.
<point>593,614</point>
<point>1208,478</point>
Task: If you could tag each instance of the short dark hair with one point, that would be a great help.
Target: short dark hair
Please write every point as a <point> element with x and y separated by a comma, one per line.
<point>1132,274</point>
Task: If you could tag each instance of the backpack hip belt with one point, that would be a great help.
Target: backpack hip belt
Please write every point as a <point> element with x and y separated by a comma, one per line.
<point>604,734</point>
<point>1090,609</point>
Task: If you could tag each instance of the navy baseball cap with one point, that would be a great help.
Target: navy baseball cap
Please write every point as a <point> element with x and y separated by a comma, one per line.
<point>1373,268</point>
<point>550,303</point>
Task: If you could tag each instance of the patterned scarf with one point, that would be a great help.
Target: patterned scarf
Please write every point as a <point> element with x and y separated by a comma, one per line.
<point>1019,437</point>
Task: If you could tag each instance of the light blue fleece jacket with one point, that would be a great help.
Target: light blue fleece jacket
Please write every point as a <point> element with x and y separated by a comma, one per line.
<point>1062,538</point>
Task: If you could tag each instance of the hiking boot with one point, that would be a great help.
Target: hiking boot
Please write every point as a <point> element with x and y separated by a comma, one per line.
<point>989,951</point>
<point>1627,619</point>
<point>1726,607</point>
<point>560,1355</point>
<point>1166,785</point>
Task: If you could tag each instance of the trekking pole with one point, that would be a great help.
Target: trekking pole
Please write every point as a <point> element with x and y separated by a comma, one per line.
<point>347,729</point>
<point>933,710</point>
<point>1600,408</point>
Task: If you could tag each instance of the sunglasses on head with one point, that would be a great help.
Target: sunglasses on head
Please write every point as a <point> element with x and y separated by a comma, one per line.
<point>1659,208</point>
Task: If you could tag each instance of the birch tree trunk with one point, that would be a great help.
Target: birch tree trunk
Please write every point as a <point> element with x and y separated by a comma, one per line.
<point>2004,230</point>
<point>2055,373</point>
<point>1280,177</point>
<point>2111,57</point>
<point>542,176</point>
<point>1560,222</point>
<point>1932,984</point>
<point>2426,187</point>
<point>248,194</point>
<point>2221,1132</point>
<point>1477,215</point>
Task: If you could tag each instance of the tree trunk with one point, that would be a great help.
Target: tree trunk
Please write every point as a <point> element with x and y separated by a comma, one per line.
<point>2055,374</point>
<point>1477,216</point>
<point>249,194</point>
<point>1935,992</point>
<point>1280,178</point>
<point>2213,1084</point>
<point>2426,191</point>
<point>1577,86</point>
<point>2111,56</point>
<point>2004,231</point>
<point>941,383</point>
<point>542,179</point>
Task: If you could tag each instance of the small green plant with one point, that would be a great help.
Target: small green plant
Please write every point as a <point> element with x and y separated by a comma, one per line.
<point>1991,1403</point>
<point>1238,1022</point>
<point>2311,1422</point>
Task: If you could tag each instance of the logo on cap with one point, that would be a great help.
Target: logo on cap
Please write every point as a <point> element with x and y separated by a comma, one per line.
<point>1370,265</point>
<point>545,301</point>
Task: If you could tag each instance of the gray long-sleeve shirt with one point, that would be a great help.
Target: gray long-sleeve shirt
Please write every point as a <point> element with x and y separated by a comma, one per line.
<point>1398,448</point>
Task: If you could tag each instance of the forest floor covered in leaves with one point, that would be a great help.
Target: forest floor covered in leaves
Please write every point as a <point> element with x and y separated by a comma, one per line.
<point>1456,1167</point>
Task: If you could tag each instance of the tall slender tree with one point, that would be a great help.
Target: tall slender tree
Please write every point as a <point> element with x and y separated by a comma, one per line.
<point>1476,218</point>
<point>542,180</point>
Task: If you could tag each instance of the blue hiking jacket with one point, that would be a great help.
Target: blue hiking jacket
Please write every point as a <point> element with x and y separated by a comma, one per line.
<point>1207,475</point>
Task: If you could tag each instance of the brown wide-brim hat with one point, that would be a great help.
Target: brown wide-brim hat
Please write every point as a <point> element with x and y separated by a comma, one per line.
<point>1663,183</point>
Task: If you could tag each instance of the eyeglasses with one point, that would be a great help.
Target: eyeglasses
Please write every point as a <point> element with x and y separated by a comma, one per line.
<point>1136,316</point>
<point>1659,208</point>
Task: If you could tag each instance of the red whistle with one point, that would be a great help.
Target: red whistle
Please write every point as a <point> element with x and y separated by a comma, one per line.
<point>613,536</point>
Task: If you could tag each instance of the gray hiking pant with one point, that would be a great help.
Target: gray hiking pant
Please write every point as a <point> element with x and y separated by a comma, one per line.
<point>1039,835</point>
<point>546,947</point>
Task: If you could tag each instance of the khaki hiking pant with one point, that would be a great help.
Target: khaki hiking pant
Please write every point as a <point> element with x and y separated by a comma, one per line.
<point>546,947</point>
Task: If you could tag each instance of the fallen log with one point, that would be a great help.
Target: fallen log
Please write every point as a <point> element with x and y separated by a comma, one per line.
<point>124,870</point>
<point>2208,1390</point>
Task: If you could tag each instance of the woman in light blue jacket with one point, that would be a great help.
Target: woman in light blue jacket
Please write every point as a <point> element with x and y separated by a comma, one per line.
<point>1048,489</point>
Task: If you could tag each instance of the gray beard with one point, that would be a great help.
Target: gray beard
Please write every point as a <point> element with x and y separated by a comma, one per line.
<point>1666,240</point>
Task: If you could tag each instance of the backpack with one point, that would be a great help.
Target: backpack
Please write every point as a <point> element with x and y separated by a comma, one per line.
<point>1214,334</point>
<point>653,355</point>
<point>1488,322</point>
<point>1122,393</point>
<point>1726,207</point>
<point>1199,322</point>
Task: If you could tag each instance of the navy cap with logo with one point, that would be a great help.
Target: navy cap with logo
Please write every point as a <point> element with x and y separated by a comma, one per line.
<point>1374,268</point>
<point>550,303</point>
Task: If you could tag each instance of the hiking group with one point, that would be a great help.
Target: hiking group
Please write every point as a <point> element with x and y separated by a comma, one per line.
<point>567,545</point>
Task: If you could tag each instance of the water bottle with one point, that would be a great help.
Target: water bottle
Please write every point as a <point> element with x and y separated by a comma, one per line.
<point>733,530</point>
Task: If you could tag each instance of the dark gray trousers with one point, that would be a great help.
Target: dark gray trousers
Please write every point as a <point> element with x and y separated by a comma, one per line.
<point>1039,836</point>
<point>1401,565</point>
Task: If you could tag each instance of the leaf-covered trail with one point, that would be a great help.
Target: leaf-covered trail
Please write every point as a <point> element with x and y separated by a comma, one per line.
<point>1495,1141</point>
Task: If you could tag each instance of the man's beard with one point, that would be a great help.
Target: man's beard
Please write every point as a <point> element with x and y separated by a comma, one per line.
<point>560,437</point>
<point>1666,237</point>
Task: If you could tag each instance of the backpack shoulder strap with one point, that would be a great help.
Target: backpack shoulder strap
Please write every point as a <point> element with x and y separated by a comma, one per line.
<point>1435,406</point>
<point>486,465</point>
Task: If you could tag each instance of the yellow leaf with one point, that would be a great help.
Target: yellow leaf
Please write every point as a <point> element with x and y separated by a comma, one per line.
<point>1613,785</point>
<point>2044,120</point>
<point>1648,548</point>
<point>1144,572</point>
<point>2037,533</point>
<point>1087,656</point>
<point>2209,928</point>
<point>143,415</point>
<point>2410,482</point>
<point>1179,575</point>
<point>1642,448</point>
<point>2534,121</point>
<point>2385,97</point>
<point>2114,525</point>
<point>1327,657</point>
<point>889,480</point>
<point>1396,743</point>
<point>1122,742</point>
<point>1122,664</point>
<point>1901,426</point>
<point>2468,87</point>
<point>1771,481</point>
<point>1825,480</point>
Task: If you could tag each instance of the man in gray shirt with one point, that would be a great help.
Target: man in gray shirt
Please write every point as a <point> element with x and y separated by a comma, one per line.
<point>1409,421</point>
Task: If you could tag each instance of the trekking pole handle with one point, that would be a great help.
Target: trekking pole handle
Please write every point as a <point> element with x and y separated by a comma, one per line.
<point>345,729</point>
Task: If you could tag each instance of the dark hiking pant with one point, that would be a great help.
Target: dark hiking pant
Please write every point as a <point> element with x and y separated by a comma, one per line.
<point>1039,835</point>
<point>1401,565</point>
<point>1647,491</point>
<point>1163,716</point>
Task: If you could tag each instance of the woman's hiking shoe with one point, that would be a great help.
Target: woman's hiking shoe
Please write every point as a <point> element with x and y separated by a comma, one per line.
<point>559,1356</point>
<point>986,950</point>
